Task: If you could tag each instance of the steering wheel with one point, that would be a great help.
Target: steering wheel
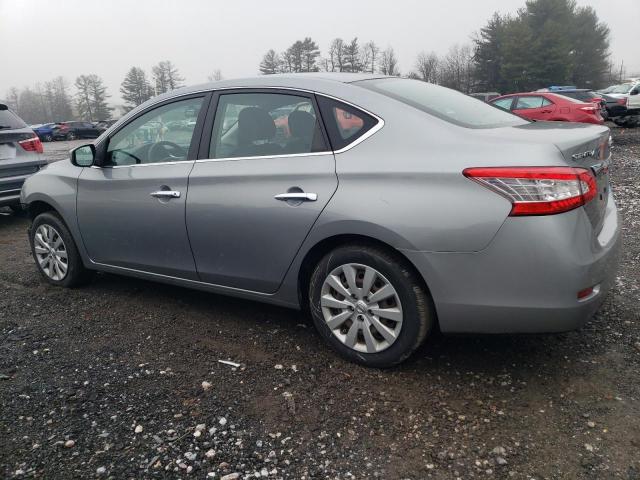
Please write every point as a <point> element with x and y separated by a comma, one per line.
<point>163,150</point>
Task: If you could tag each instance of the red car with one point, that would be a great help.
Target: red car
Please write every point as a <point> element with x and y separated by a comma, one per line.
<point>549,106</point>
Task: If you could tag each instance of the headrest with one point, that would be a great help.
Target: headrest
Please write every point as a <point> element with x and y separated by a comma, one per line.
<point>255,124</point>
<point>301,124</point>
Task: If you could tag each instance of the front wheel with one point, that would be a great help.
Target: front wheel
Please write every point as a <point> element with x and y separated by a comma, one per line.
<point>370,305</point>
<point>55,252</point>
<point>71,136</point>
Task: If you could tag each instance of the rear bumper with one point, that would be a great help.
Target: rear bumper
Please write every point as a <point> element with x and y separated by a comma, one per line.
<point>528,278</point>
<point>11,184</point>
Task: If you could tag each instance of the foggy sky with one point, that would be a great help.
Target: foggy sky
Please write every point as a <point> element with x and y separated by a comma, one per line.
<point>41,39</point>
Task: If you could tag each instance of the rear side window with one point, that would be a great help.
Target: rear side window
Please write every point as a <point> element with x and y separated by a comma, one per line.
<point>9,120</point>
<point>525,103</point>
<point>444,103</point>
<point>345,124</point>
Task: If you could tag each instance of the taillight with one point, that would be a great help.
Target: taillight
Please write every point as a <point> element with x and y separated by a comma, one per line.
<point>538,190</point>
<point>32,144</point>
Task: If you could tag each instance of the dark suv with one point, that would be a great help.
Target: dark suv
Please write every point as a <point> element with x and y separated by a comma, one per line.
<point>20,156</point>
<point>75,130</point>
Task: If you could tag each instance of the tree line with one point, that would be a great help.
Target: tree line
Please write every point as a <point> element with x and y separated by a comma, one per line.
<point>546,42</point>
<point>52,101</point>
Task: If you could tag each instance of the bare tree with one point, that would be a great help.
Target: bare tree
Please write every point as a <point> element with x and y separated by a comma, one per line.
<point>216,76</point>
<point>427,67</point>
<point>336,55</point>
<point>389,63</point>
<point>458,69</point>
<point>13,99</point>
<point>369,57</point>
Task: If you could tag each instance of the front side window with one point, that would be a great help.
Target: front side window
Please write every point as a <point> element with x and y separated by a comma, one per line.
<point>525,103</point>
<point>265,124</point>
<point>163,134</point>
<point>443,103</point>
<point>345,124</point>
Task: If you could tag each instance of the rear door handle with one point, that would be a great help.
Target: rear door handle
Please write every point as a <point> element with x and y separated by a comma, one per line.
<point>165,194</point>
<point>300,196</point>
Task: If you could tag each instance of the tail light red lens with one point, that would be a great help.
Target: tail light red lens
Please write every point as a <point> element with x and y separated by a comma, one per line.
<point>32,144</point>
<point>538,190</point>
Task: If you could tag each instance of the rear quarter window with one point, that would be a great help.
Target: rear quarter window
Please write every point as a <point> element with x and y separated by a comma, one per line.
<point>446,104</point>
<point>345,124</point>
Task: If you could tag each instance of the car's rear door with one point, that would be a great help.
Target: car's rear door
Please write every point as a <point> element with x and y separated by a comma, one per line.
<point>261,181</point>
<point>535,107</point>
<point>131,208</point>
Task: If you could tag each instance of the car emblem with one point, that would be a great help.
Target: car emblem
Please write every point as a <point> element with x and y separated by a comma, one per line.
<point>580,156</point>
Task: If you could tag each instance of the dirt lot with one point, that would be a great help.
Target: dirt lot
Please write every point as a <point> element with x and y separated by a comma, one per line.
<point>107,381</point>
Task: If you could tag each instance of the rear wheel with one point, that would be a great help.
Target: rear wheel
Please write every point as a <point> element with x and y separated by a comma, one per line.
<point>55,252</point>
<point>48,138</point>
<point>369,305</point>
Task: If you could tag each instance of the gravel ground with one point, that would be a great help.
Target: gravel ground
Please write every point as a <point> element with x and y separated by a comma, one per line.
<point>123,379</point>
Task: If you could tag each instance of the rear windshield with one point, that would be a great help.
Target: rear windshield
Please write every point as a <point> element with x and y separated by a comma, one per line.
<point>624,88</point>
<point>9,120</point>
<point>444,103</point>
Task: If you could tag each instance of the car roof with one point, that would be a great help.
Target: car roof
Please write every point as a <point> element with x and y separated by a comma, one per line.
<point>303,81</point>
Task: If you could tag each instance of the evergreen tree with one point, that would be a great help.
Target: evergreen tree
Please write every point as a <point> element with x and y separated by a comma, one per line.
<point>271,63</point>
<point>135,88</point>
<point>352,57</point>
<point>91,98</point>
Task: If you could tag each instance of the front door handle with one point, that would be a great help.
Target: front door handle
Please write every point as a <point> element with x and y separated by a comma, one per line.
<point>165,194</point>
<point>299,196</point>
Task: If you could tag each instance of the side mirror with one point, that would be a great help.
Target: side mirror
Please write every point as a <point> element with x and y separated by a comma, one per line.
<point>84,155</point>
<point>635,91</point>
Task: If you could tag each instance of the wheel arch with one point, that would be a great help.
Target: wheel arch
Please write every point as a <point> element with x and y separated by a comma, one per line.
<point>324,246</point>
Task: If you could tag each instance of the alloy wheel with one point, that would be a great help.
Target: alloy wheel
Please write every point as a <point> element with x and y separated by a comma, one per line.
<point>361,307</point>
<point>51,252</point>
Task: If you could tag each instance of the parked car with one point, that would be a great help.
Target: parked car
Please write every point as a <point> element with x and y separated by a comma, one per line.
<point>75,130</point>
<point>104,124</point>
<point>616,107</point>
<point>550,107</point>
<point>582,94</point>
<point>44,131</point>
<point>629,93</point>
<point>20,150</point>
<point>439,209</point>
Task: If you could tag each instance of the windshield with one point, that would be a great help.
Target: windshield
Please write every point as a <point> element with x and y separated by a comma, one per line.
<point>444,103</point>
<point>624,88</point>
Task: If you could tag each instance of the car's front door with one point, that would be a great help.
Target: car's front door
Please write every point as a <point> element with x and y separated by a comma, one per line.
<point>131,208</point>
<point>262,181</point>
<point>535,107</point>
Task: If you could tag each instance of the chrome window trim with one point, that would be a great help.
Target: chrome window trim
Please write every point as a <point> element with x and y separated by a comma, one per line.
<point>228,159</point>
<point>143,164</point>
<point>372,131</point>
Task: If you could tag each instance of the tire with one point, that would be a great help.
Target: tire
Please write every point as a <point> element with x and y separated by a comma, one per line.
<point>48,138</point>
<point>71,136</point>
<point>75,274</point>
<point>410,299</point>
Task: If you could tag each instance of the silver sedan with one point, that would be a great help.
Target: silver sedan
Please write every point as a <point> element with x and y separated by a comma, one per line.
<point>383,206</point>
